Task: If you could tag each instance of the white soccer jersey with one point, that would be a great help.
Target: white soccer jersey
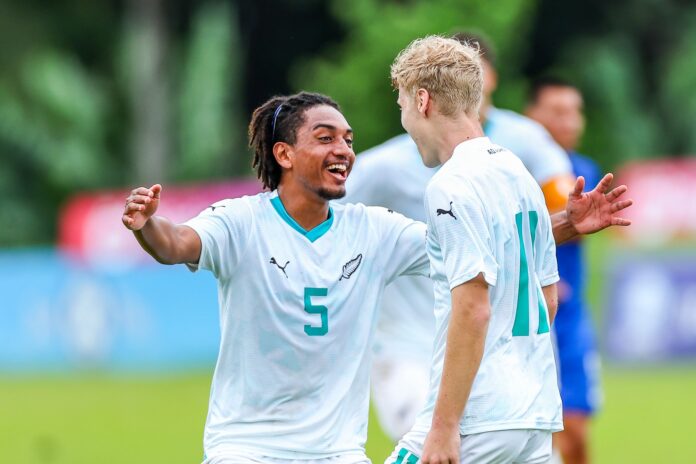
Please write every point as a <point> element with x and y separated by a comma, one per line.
<point>392,175</point>
<point>297,316</point>
<point>487,215</point>
<point>530,141</point>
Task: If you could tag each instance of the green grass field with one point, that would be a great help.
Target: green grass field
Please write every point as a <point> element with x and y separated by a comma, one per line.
<point>104,419</point>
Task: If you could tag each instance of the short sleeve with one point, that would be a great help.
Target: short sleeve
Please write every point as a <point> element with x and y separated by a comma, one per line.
<point>225,229</point>
<point>461,228</point>
<point>545,251</point>
<point>541,155</point>
<point>404,241</point>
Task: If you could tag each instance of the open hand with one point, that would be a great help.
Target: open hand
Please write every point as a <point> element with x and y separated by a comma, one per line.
<point>141,205</point>
<point>593,211</point>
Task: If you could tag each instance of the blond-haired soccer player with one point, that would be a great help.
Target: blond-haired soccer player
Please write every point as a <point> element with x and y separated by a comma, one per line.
<point>493,393</point>
<point>405,330</point>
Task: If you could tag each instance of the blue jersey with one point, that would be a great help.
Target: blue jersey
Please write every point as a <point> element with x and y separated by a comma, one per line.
<point>577,355</point>
<point>571,262</point>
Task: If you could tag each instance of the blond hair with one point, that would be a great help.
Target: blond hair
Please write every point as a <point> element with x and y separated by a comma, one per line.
<point>449,70</point>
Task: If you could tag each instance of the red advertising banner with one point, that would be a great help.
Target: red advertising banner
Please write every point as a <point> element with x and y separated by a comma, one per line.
<point>90,227</point>
<point>664,192</point>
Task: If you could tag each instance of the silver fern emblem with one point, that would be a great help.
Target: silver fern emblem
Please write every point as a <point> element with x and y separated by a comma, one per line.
<point>350,267</point>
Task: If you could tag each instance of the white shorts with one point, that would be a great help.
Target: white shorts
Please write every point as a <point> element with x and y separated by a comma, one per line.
<point>399,391</point>
<point>248,458</point>
<point>501,447</point>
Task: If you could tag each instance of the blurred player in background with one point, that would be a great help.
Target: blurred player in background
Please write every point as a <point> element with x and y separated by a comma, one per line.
<point>558,106</point>
<point>392,175</point>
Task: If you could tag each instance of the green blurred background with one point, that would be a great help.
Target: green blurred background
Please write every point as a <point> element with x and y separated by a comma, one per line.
<point>98,94</point>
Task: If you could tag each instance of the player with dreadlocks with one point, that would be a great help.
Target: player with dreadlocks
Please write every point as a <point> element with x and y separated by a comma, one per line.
<point>291,383</point>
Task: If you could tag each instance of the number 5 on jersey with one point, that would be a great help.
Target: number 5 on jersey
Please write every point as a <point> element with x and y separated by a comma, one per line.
<point>527,286</point>
<point>323,311</point>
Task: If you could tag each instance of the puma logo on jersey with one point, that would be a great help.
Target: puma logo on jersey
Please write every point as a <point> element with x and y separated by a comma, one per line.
<point>440,212</point>
<point>282,268</point>
<point>213,207</point>
<point>350,267</point>
<point>493,151</point>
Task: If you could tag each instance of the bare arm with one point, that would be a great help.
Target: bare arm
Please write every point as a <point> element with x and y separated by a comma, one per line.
<point>466,338</point>
<point>551,297</point>
<point>165,241</point>
<point>590,212</point>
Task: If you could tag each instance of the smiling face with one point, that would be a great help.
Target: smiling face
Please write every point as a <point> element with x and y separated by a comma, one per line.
<point>322,156</point>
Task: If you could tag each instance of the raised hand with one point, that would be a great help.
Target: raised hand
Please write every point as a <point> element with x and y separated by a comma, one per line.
<point>593,211</point>
<point>141,205</point>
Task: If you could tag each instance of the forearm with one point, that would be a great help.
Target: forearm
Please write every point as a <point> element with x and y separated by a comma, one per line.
<point>160,237</point>
<point>466,339</point>
<point>563,229</point>
<point>551,297</point>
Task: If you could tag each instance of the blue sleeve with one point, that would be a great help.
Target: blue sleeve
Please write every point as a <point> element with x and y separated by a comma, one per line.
<point>586,167</point>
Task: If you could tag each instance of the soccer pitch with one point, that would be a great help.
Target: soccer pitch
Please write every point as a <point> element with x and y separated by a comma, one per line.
<point>106,419</point>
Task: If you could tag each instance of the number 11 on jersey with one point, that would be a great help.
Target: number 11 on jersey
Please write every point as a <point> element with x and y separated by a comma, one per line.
<point>521,326</point>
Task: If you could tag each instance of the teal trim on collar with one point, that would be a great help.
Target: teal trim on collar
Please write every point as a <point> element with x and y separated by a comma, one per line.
<point>312,235</point>
<point>487,126</point>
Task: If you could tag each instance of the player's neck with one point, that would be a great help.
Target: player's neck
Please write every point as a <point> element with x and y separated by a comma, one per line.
<point>453,131</point>
<point>483,112</point>
<point>308,210</point>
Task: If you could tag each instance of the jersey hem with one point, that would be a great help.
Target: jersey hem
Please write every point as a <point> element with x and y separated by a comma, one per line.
<point>548,280</point>
<point>490,277</point>
<point>236,450</point>
<point>498,426</point>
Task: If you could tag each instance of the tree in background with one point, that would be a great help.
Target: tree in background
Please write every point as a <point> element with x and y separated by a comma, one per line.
<point>99,96</point>
<point>634,61</point>
<point>356,72</point>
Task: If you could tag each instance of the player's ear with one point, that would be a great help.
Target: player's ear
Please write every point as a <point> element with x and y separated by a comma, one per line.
<point>282,153</point>
<point>423,101</point>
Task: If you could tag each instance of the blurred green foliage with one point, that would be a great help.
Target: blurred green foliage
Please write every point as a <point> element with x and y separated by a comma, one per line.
<point>73,120</point>
<point>105,94</point>
<point>209,120</point>
<point>356,72</point>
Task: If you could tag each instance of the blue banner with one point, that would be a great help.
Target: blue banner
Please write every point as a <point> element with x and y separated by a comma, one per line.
<point>58,314</point>
<point>651,310</point>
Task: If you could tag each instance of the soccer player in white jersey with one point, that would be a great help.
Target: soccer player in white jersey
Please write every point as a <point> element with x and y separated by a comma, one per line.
<point>405,330</point>
<point>299,281</point>
<point>493,393</point>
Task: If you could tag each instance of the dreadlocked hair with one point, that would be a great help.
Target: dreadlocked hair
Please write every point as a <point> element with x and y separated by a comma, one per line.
<point>271,123</point>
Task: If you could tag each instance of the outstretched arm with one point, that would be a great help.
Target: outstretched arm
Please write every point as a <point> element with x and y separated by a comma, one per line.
<point>165,241</point>
<point>590,212</point>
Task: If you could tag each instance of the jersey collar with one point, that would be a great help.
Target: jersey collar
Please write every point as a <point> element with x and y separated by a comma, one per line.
<point>311,235</point>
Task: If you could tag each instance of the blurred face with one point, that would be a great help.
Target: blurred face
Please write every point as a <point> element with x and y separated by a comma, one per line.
<point>322,156</point>
<point>560,110</point>
<point>490,81</point>
<point>415,124</point>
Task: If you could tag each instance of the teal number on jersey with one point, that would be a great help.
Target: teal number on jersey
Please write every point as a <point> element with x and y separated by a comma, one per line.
<point>323,311</point>
<point>521,326</point>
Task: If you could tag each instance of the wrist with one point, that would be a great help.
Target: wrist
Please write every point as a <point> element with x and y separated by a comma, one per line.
<point>445,422</point>
<point>563,228</point>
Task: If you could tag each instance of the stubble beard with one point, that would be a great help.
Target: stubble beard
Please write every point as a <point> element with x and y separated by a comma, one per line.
<point>328,195</point>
